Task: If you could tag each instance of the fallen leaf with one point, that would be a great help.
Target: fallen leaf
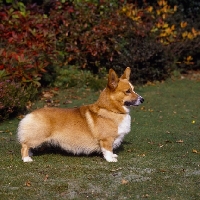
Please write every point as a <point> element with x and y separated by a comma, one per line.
<point>195,151</point>
<point>48,95</point>
<point>124,182</point>
<point>145,196</point>
<point>29,105</point>
<point>56,88</point>
<point>46,177</point>
<point>163,170</point>
<point>20,116</point>
<point>28,183</point>
<point>67,101</point>
<point>114,170</point>
<point>142,155</point>
<point>179,141</point>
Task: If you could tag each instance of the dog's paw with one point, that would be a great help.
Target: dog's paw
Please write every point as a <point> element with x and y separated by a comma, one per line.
<point>112,159</point>
<point>109,156</point>
<point>115,155</point>
<point>27,159</point>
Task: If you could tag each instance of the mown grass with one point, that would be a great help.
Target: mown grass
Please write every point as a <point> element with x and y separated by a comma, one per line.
<point>159,159</point>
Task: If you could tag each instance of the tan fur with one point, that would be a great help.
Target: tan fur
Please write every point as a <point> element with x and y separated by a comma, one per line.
<point>90,128</point>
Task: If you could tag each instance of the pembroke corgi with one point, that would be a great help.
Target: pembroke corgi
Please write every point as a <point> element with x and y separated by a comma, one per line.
<point>98,127</point>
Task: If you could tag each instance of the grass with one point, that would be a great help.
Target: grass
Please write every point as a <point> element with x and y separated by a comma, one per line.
<point>159,159</point>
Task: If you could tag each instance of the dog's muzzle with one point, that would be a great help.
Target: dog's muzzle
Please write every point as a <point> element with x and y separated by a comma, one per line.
<point>134,103</point>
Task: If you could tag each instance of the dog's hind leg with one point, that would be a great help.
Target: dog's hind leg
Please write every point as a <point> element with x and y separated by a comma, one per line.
<point>25,152</point>
<point>107,150</point>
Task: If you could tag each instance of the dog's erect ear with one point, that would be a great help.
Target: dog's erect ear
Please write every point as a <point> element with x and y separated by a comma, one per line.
<point>126,74</point>
<point>112,79</point>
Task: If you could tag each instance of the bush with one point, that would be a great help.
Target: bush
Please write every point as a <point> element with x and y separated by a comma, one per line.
<point>156,42</point>
<point>27,44</point>
<point>147,59</point>
<point>69,41</point>
<point>71,76</point>
<point>14,97</point>
<point>87,33</point>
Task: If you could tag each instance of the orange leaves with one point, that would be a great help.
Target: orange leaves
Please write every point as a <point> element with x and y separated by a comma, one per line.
<point>188,60</point>
<point>166,33</point>
<point>164,9</point>
<point>132,12</point>
<point>195,32</point>
<point>175,8</point>
<point>190,35</point>
<point>161,16</point>
<point>162,3</point>
<point>149,9</point>
<point>169,33</point>
<point>183,24</point>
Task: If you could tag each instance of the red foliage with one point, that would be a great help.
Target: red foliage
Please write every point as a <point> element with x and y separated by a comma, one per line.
<point>87,33</point>
<point>28,43</point>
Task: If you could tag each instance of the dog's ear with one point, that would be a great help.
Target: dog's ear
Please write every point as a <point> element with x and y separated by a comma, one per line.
<point>112,79</point>
<point>126,74</point>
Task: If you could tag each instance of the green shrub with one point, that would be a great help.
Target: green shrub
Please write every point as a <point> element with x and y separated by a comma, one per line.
<point>71,76</point>
<point>14,97</point>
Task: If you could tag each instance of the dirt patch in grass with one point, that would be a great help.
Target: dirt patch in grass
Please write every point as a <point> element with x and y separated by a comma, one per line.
<point>159,159</point>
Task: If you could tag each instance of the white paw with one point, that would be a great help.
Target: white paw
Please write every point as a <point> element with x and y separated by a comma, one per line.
<point>115,155</point>
<point>109,156</point>
<point>111,159</point>
<point>27,159</point>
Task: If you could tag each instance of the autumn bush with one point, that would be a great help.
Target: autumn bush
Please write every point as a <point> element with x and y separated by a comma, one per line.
<point>14,98</point>
<point>40,44</point>
<point>88,33</point>
<point>27,42</point>
<point>27,47</point>
<point>157,42</point>
<point>152,40</point>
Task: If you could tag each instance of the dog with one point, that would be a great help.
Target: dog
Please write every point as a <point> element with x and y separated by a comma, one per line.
<point>98,127</point>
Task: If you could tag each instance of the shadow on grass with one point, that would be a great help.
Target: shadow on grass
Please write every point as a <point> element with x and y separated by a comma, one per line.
<point>52,149</point>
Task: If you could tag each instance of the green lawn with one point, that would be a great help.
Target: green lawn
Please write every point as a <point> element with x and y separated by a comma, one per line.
<point>159,159</point>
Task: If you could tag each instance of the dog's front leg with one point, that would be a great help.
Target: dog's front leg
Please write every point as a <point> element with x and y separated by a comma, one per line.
<point>107,150</point>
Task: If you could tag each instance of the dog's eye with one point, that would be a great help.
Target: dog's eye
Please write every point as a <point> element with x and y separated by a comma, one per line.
<point>128,91</point>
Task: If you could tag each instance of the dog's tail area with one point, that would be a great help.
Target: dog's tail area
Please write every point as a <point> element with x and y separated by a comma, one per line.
<point>24,128</point>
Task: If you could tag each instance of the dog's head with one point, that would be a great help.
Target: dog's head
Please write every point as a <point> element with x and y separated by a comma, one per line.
<point>121,90</point>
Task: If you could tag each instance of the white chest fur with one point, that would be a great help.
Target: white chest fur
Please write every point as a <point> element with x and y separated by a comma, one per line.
<point>123,128</point>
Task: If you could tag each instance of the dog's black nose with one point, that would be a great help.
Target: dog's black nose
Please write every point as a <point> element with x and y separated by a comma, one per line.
<point>141,100</point>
